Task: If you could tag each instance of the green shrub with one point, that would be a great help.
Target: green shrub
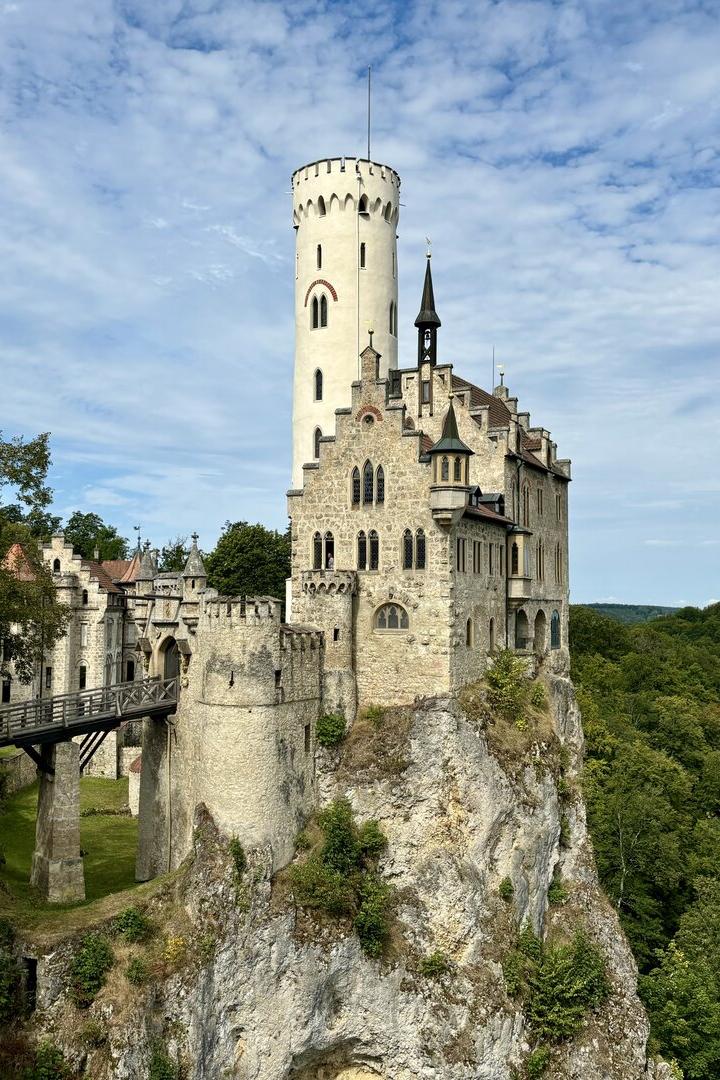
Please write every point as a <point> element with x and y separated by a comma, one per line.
<point>302,841</point>
<point>371,922</point>
<point>10,974</point>
<point>238,856</point>
<point>93,1035</point>
<point>557,984</point>
<point>375,714</point>
<point>506,890</point>
<point>507,687</point>
<point>49,1064</point>
<point>89,967</point>
<point>557,892</point>
<point>538,1061</point>
<point>162,1067</point>
<point>340,877</point>
<point>137,971</point>
<point>330,729</point>
<point>132,925</point>
<point>538,696</point>
<point>434,965</point>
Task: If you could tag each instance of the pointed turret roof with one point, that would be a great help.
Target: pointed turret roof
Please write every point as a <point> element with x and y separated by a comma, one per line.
<point>148,567</point>
<point>194,567</point>
<point>450,441</point>
<point>428,316</point>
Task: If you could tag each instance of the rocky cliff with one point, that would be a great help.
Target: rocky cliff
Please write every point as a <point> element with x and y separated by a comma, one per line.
<point>482,819</point>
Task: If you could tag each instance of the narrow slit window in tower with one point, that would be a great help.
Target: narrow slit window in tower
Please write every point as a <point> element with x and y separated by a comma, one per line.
<point>323,310</point>
<point>318,385</point>
<point>380,485</point>
<point>407,550</point>
<point>315,313</point>
<point>361,551</point>
<point>362,256</point>
<point>329,551</point>
<point>319,256</point>
<point>316,442</point>
<point>420,550</point>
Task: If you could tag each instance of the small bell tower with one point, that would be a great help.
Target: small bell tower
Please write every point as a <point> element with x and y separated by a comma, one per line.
<point>427,321</point>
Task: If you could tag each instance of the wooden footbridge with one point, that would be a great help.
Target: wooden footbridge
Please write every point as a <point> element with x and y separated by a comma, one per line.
<point>90,713</point>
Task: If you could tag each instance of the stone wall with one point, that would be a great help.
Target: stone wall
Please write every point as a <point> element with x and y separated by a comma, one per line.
<point>20,771</point>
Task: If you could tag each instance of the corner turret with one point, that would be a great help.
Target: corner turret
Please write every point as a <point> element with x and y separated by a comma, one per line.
<point>194,574</point>
<point>450,472</point>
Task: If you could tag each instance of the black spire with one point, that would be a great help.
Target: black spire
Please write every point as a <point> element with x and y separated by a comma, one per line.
<point>450,441</point>
<point>427,321</point>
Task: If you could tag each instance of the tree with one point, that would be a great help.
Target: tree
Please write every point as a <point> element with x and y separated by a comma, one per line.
<point>249,560</point>
<point>41,523</point>
<point>88,533</point>
<point>174,555</point>
<point>31,619</point>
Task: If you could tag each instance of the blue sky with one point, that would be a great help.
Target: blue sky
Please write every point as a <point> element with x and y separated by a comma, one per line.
<point>563,157</point>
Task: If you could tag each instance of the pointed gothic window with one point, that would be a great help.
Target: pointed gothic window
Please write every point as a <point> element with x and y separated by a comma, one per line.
<point>526,504</point>
<point>457,469</point>
<point>355,482</point>
<point>363,205</point>
<point>445,469</point>
<point>317,551</point>
<point>420,550</point>
<point>323,310</point>
<point>315,313</point>
<point>407,550</point>
<point>555,630</point>
<point>374,561</point>
<point>514,560</point>
<point>329,551</point>
<point>362,551</point>
<point>316,442</point>
<point>367,483</point>
<point>380,485</point>
<point>318,385</point>
<point>319,256</point>
<point>82,677</point>
<point>321,206</point>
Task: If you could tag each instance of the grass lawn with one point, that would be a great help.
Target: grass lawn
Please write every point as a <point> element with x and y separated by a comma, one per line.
<point>109,842</point>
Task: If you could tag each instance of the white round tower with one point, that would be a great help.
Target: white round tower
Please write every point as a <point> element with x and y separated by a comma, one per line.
<point>345,215</point>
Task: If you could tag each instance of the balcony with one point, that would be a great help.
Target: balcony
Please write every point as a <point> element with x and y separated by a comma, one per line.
<point>519,587</point>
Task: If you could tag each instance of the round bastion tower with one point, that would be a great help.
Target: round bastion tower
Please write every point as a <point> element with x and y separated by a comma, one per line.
<point>345,216</point>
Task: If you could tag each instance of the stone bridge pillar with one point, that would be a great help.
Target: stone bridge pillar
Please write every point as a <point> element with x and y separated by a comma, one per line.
<point>57,868</point>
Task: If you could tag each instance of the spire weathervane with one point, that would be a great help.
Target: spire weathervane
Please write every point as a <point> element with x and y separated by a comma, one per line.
<point>428,241</point>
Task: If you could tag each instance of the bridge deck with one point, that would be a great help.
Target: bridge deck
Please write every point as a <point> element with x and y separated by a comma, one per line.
<point>47,720</point>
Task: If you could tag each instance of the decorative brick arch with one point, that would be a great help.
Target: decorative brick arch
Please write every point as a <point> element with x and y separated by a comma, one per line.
<point>320,281</point>
<point>369,410</point>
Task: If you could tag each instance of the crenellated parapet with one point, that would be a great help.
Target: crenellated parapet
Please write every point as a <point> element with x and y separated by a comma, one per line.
<point>220,611</point>
<point>318,583</point>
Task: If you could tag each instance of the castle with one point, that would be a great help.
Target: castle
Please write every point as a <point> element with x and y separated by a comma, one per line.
<point>429,529</point>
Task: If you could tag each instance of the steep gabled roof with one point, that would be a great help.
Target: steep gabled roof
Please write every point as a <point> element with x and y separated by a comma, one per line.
<point>97,573</point>
<point>17,562</point>
<point>499,413</point>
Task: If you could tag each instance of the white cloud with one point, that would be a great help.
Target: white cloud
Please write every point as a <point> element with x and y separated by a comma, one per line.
<point>564,161</point>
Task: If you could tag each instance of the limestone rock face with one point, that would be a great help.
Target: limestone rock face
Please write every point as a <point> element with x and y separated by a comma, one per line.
<point>278,997</point>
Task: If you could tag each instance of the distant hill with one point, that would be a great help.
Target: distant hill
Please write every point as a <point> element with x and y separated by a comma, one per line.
<point>632,613</point>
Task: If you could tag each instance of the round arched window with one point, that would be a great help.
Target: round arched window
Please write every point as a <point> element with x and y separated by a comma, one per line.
<point>391,617</point>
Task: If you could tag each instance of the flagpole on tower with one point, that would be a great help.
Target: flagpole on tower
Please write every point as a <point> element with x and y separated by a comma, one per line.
<point>369,82</point>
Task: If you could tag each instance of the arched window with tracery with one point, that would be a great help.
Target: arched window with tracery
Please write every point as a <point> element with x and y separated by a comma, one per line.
<point>380,485</point>
<point>374,545</point>
<point>361,551</point>
<point>323,310</point>
<point>407,550</point>
<point>367,483</point>
<point>555,630</point>
<point>420,550</point>
<point>317,552</point>
<point>355,484</point>
<point>315,313</point>
<point>316,442</point>
<point>391,617</point>
<point>318,385</point>
<point>445,469</point>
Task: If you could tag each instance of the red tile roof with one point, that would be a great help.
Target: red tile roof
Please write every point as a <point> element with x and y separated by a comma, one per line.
<point>488,514</point>
<point>17,562</point>
<point>102,577</point>
<point>499,412</point>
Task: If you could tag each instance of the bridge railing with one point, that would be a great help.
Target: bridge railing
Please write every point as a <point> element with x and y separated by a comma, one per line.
<point>68,710</point>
